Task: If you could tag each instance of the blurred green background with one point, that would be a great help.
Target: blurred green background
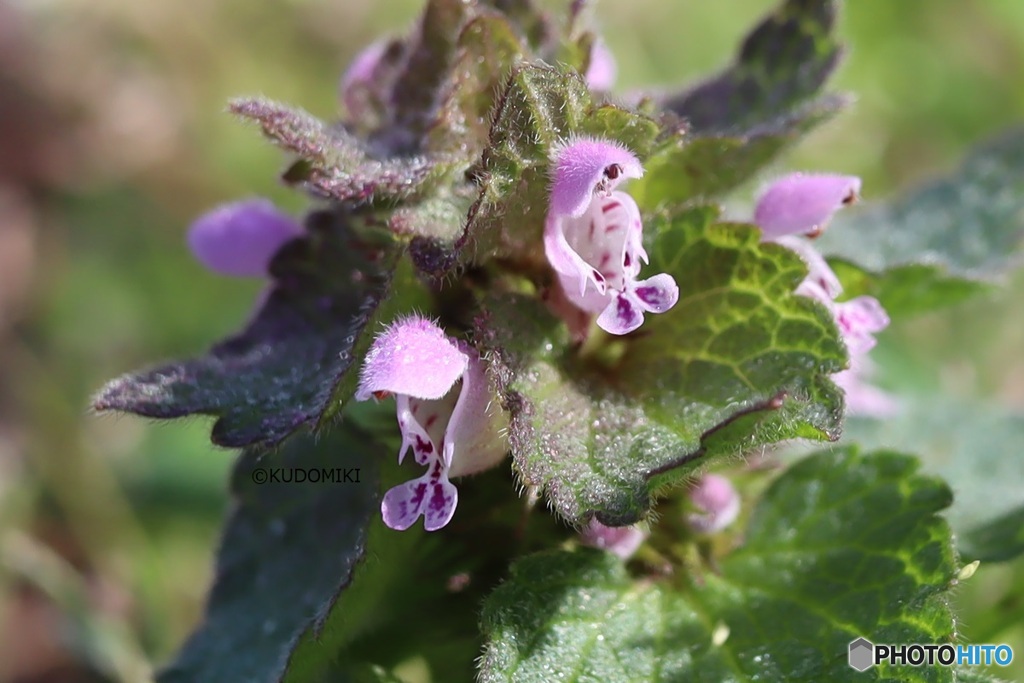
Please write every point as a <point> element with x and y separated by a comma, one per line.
<point>113,136</point>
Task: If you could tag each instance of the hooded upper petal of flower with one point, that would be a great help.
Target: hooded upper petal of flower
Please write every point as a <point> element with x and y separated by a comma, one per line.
<point>593,237</point>
<point>446,414</point>
<point>803,203</point>
<point>241,238</point>
<point>602,69</point>
<point>412,357</point>
<point>718,502</point>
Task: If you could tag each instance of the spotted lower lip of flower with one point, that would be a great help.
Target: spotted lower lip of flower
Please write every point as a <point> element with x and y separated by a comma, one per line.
<point>593,237</point>
<point>240,238</point>
<point>446,411</point>
<point>803,204</point>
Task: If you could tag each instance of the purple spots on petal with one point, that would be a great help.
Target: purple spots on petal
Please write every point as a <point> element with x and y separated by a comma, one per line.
<point>626,260</point>
<point>624,309</point>
<point>423,445</point>
<point>441,506</point>
<point>610,206</point>
<point>657,294</point>
<point>621,316</point>
<point>402,505</point>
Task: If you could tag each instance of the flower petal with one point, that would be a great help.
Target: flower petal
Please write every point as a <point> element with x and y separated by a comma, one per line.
<point>718,502</point>
<point>475,439</point>
<point>583,166</point>
<point>803,203</point>
<point>657,294</point>
<point>430,495</point>
<point>623,314</point>
<point>416,434</point>
<point>412,357</point>
<point>442,498</point>
<point>241,238</point>
<point>819,273</point>
<point>602,69</point>
<point>574,272</point>
<point>620,540</point>
<point>361,69</point>
<point>863,398</point>
<point>858,320</point>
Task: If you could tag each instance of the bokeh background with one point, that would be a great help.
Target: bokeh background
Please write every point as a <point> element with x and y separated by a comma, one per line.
<point>113,136</point>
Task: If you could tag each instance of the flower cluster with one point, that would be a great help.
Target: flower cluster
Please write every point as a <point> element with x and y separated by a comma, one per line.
<point>447,410</point>
<point>800,206</point>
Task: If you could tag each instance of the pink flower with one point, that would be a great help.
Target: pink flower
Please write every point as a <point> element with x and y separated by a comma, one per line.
<point>717,502</point>
<point>446,413</point>
<point>803,204</point>
<point>859,320</point>
<point>620,540</point>
<point>601,70</point>
<point>241,238</point>
<point>593,237</point>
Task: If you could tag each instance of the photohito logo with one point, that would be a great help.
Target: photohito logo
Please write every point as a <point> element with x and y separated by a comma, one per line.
<point>864,654</point>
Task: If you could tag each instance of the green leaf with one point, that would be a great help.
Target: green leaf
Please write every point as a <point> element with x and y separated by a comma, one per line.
<point>288,553</point>
<point>967,225</point>
<point>841,546</point>
<point>739,362</point>
<point>976,675</point>
<point>996,541</point>
<point>401,603</point>
<point>684,168</point>
<point>288,367</point>
<point>333,164</point>
<point>906,290</point>
<point>976,447</point>
<point>487,50</point>
<point>539,107</point>
<point>782,63</point>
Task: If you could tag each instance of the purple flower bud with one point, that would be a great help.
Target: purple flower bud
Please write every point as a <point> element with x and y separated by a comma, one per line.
<point>241,238</point>
<point>446,412</point>
<point>593,237</point>
<point>803,203</point>
<point>602,69</point>
<point>620,540</point>
<point>718,504</point>
<point>360,72</point>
